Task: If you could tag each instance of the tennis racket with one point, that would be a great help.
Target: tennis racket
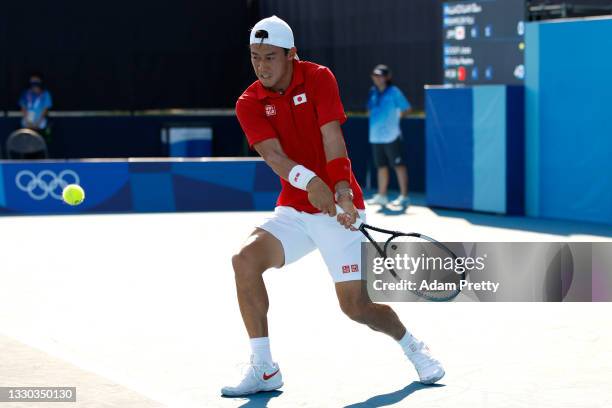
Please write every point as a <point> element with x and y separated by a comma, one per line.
<point>450,279</point>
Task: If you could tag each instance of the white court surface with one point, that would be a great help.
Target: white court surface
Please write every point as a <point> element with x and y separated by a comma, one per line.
<point>140,311</point>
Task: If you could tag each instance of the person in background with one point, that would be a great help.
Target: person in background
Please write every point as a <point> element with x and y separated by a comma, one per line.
<point>386,105</point>
<point>35,103</point>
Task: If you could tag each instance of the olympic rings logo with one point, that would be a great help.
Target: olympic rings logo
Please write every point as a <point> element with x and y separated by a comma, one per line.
<point>46,183</point>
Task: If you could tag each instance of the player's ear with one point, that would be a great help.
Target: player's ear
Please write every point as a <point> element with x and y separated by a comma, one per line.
<point>292,54</point>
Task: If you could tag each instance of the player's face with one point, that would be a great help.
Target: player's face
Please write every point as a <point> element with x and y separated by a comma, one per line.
<point>380,81</point>
<point>270,63</point>
<point>35,84</point>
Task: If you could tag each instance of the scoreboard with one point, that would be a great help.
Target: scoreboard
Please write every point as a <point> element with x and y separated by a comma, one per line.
<point>483,42</point>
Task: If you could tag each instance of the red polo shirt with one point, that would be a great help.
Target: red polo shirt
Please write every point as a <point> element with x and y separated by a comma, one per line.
<point>295,119</point>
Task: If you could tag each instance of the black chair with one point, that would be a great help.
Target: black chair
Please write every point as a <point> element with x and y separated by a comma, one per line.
<point>26,144</point>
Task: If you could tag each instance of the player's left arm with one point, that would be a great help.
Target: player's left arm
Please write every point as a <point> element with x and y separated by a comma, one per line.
<point>337,165</point>
<point>330,115</point>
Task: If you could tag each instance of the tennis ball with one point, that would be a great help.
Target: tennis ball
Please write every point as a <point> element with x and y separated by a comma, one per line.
<point>73,194</point>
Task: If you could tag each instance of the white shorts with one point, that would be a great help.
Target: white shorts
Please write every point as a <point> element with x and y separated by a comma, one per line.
<point>300,233</point>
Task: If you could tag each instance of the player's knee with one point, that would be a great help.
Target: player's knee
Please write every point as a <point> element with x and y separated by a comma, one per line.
<point>241,264</point>
<point>245,263</point>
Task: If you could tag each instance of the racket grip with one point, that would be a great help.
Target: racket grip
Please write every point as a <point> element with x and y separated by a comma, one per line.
<point>357,222</point>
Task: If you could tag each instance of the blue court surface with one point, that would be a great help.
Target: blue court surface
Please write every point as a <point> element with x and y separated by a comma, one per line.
<point>140,311</point>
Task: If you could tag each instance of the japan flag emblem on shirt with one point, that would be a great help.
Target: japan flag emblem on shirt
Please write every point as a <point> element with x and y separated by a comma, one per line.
<point>299,99</point>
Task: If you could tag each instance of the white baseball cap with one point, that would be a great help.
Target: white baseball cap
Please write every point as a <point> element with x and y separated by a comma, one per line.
<point>273,31</point>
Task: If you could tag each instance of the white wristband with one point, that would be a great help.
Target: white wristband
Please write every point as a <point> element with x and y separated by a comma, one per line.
<point>299,176</point>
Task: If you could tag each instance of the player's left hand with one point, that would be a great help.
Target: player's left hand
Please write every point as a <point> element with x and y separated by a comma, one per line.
<point>350,214</point>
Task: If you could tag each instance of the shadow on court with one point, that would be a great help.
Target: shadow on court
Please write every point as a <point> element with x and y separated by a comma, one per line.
<point>395,210</point>
<point>546,226</point>
<point>541,225</point>
<point>394,397</point>
<point>259,400</point>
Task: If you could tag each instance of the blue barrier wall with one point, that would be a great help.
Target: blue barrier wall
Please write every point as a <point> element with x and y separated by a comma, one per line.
<point>128,136</point>
<point>449,129</point>
<point>138,186</point>
<point>569,131</point>
<point>474,139</point>
<point>139,136</point>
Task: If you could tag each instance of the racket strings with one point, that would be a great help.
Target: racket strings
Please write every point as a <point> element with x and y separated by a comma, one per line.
<point>442,283</point>
<point>433,265</point>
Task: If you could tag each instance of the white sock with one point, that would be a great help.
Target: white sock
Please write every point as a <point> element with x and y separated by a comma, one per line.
<point>260,346</point>
<point>408,343</point>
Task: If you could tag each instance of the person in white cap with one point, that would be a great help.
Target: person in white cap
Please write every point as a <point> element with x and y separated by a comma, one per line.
<point>291,115</point>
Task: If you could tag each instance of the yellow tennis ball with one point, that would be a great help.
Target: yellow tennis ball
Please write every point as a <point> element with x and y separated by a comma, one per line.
<point>73,194</point>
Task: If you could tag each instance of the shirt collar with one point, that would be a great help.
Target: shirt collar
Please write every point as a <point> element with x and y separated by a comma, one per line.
<point>375,90</point>
<point>297,79</point>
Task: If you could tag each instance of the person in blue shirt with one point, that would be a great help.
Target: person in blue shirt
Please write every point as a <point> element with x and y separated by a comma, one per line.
<point>35,103</point>
<point>386,105</point>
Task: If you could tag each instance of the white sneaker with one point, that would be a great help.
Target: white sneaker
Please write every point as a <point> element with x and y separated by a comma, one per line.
<point>378,199</point>
<point>429,369</point>
<point>401,201</point>
<point>258,377</point>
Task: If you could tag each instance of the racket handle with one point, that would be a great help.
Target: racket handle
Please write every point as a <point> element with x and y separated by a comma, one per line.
<point>357,222</point>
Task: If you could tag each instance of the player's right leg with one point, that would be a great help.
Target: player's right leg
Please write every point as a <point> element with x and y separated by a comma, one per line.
<point>279,241</point>
<point>261,252</point>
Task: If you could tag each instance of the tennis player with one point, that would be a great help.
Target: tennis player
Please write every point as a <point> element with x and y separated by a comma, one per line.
<point>291,116</point>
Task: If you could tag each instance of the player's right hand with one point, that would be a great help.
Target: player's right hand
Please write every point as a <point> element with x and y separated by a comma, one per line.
<point>321,197</point>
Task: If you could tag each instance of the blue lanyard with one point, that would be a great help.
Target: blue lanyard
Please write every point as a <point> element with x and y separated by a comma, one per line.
<point>33,100</point>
